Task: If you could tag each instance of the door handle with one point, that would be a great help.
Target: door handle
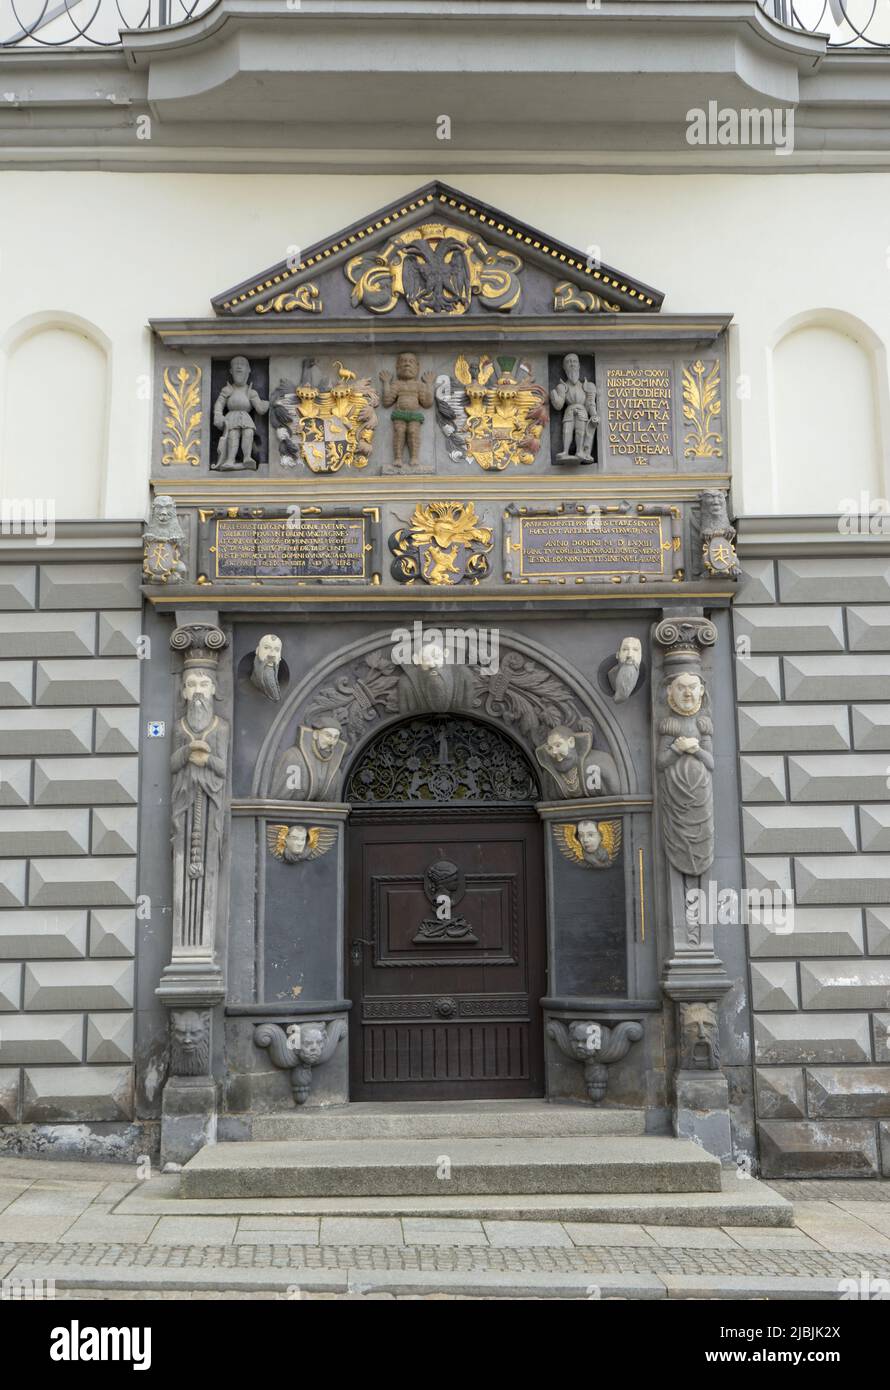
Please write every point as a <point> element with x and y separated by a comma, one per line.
<point>356,945</point>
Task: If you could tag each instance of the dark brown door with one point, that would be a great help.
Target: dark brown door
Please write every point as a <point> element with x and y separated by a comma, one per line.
<point>446,955</point>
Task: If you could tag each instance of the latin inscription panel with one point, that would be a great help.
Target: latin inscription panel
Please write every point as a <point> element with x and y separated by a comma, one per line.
<point>553,547</point>
<point>329,547</point>
<point>639,407</point>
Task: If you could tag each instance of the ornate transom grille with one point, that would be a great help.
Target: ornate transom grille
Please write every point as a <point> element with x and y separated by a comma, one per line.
<point>442,759</point>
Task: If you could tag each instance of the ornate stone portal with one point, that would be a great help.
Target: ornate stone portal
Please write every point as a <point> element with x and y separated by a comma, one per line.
<point>548,598</point>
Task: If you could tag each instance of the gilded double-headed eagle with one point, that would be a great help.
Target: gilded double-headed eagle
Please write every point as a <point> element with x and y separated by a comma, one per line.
<point>566,837</point>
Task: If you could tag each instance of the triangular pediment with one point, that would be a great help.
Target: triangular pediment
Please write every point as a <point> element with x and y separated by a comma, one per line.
<point>438,253</point>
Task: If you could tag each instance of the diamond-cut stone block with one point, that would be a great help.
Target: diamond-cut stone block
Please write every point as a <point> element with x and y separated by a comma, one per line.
<point>813,1148</point>
<point>791,629</point>
<point>112,932</point>
<point>119,633</point>
<point>115,830</point>
<point>16,682</point>
<point>47,634</point>
<point>85,984</point>
<point>875,824</point>
<point>877,929</point>
<point>79,1094</point>
<point>110,1038</point>
<point>791,829</point>
<point>100,682</point>
<point>10,987</point>
<point>780,1093</point>
<point>41,1038</point>
<point>15,782</point>
<point>768,871</point>
<point>836,878</point>
<point>18,586</point>
<point>845,984</point>
<point>117,731</point>
<point>804,1038</point>
<point>757,678</point>
<point>871,726</point>
<point>848,1092</point>
<point>793,728</point>
<point>882,1037</point>
<point>82,586</point>
<point>13,873</point>
<point>809,931</point>
<point>869,628</point>
<point>836,579</point>
<point>30,935</point>
<point>26,731</point>
<point>10,1086</point>
<point>44,832</point>
<point>763,779</point>
<point>757,581</point>
<point>85,781</point>
<point>773,985</point>
<point>94,882</point>
<point>837,776</point>
<point>831,677</point>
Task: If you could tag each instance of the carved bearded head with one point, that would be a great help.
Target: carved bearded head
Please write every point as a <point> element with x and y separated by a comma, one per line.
<point>326,739</point>
<point>266,660</point>
<point>560,743</point>
<point>198,693</point>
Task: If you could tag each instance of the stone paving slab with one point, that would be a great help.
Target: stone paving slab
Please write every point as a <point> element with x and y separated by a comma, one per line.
<point>457,1231</point>
<point>759,1286</point>
<point>604,1233</point>
<point>526,1234</point>
<point>340,1230</point>
<point>690,1237</point>
<point>191,1230</point>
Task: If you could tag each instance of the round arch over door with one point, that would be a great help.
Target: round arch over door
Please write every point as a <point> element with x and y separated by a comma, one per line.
<point>445,924</point>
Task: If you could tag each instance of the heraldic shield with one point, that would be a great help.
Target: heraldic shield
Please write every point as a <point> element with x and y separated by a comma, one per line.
<point>325,427</point>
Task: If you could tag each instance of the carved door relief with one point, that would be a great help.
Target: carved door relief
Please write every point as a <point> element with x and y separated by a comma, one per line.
<point>445,929</point>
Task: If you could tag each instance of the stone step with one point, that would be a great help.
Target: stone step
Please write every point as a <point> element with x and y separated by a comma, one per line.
<point>479,1119</point>
<point>740,1202</point>
<point>414,1167</point>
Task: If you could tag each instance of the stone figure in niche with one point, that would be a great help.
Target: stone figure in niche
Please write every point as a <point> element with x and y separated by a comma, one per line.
<point>303,1047</point>
<point>428,684</point>
<point>574,767</point>
<point>190,1042</point>
<point>575,396</point>
<point>685,764</point>
<point>411,394</point>
<point>309,769</point>
<point>717,536</point>
<point>198,765</point>
<point>163,541</point>
<point>266,661</point>
<point>699,1042</point>
<point>624,675</point>
<point>233,416</point>
<point>593,844</point>
<point>292,844</point>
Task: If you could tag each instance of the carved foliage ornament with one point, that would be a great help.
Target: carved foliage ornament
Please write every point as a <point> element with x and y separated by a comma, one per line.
<point>701,407</point>
<point>306,297</point>
<point>443,544</point>
<point>492,413</point>
<point>436,268</point>
<point>567,296</point>
<point>182,422</point>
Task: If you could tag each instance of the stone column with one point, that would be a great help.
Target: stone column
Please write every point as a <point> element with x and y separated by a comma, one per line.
<point>694,975</point>
<point>192,983</point>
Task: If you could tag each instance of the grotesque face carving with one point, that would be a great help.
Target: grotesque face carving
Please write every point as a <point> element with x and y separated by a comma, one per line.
<point>190,1039</point>
<point>589,836</point>
<point>630,653</point>
<point>685,693</point>
<point>585,1038</point>
<point>268,650</point>
<point>326,739</point>
<point>312,1038</point>
<point>560,744</point>
<point>188,1030</point>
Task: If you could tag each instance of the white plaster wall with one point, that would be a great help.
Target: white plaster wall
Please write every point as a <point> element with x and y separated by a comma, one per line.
<point>118,249</point>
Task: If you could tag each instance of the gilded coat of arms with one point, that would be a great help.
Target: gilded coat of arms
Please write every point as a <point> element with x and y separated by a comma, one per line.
<point>436,268</point>
<point>327,427</point>
<point>444,544</point>
<point>491,412</point>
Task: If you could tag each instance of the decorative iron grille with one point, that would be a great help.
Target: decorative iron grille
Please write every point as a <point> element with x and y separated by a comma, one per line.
<point>442,759</point>
<point>847,23</point>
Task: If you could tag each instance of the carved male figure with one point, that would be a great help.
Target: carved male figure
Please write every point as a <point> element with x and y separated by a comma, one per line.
<point>576,398</point>
<point>685,764</point>
<point>233,416</point>
<point>198,765</point>
<point>623,677</point>
<point>574,767</point>
<point>411,394</point>
<point>266,661</point>
<point>429,683</point>
<point>308,770</point>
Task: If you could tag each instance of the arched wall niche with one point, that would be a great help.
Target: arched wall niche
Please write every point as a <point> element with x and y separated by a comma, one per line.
<point>829,413</point>
<point>54,389</point>
<point>530,693</point>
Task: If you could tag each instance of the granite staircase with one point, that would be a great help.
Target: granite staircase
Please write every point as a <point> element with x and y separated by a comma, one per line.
<point>519,1160</point>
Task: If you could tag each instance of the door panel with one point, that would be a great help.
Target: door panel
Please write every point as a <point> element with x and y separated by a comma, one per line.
<point>446,957</point>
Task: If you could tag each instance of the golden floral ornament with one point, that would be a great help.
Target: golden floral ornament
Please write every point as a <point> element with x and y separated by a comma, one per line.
<point>444,544</point>
<point>701,407</point>
<point>567,296</point>
<point>491,413</point>
<point>592,844</point>
<point>436,268</point>
<point>292,844</point>
<point>306,297</point>
<point>182,422</point>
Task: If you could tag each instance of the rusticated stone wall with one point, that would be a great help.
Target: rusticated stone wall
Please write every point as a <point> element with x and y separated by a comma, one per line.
<point>813,682</point>
<point>69,778</point>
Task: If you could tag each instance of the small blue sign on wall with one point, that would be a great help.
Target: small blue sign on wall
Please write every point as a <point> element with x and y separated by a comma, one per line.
<point>156,728</point>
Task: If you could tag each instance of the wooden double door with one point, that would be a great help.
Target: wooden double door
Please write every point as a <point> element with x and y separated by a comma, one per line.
<point>446,954</point>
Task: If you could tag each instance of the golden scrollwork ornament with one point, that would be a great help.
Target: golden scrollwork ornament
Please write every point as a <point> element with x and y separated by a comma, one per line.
<point>293,844</point>
<point>444,544</point>
<point>436,268</point>
<point>567,296</point>
<point>492,412</point>
<point>306,297</point>
<point>592,844</point>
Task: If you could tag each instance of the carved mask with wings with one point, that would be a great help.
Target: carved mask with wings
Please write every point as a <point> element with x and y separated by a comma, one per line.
<point>287,843</point>
<point>600,856</point>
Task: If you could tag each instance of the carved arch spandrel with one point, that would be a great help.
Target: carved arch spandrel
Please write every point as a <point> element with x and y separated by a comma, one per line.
<point>531,692</point>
